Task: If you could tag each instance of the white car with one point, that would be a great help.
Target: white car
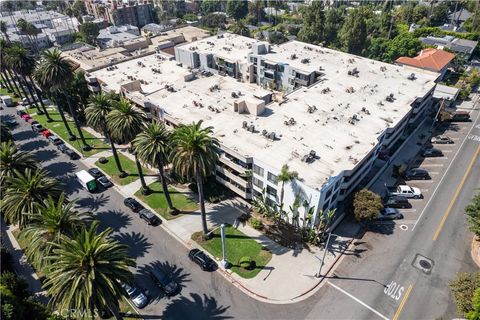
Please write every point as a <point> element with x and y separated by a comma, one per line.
<point>138,297</point>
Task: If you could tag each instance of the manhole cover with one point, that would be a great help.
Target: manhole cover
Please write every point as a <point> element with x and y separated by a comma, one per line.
<point>423,263</point>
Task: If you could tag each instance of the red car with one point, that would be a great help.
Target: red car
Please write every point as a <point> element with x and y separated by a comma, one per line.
<point>26,117</point>
<point>46,133</point>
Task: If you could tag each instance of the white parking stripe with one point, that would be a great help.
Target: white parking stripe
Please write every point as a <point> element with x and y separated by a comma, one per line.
<point>432,165</point>
<point>421,181</point>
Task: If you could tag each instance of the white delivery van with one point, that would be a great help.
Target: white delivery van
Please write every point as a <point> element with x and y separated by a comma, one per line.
<point>86,180</point>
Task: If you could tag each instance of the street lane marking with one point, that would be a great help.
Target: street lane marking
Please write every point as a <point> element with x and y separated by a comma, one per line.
<point>394,290</point>
<point>359,301</point>
<point>444,174</point>
<point>432,165</point>
<point>457,192</point>
<point>402,304</point>
<point>474,137</point>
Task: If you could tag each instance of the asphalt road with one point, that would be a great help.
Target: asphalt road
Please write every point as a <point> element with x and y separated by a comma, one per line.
<point>358,288</point>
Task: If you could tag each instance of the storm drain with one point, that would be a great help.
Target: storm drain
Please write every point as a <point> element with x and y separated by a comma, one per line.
<point>423,264</point>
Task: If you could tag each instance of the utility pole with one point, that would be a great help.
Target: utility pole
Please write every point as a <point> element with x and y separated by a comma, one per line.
<point>224,262</point>
<point>319,274</point>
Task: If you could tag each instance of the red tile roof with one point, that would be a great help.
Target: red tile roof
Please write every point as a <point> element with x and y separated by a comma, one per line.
<point>430,59</point>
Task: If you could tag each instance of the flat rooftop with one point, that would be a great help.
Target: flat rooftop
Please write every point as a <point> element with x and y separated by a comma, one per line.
<point>230,46</point>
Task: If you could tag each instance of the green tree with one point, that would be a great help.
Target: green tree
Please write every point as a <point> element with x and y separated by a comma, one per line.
<point>285,176</point>
<point>25,193</point>
<point>86,271</point>
<point>3,29</point>
<point>405,44</point>
<point>473,23</point>
<point>46,227</point>
<point>152,147</point>
<point>366,205</point>
<point>439,14</point>
<point>463,288</point>
<point>473,215</point>
<point>378,49</point>
<point>313,27</point>
<point>240,28</point>
<point>334,19</point>
<point>214,21</point>
<point>14,161</point>
<point>99,107</point>
<point>353,34</point>
<point>89,32</point>
<point>125,122</point>
<point>238,9</point>
<point>194,154</point>
<point>474,314</point>
<point>210,6</point>
<point>255,9</point>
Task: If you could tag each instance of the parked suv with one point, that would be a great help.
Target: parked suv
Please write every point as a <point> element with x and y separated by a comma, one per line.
<point>200,258</point>
<point>165,282</point>
<point>417,174</point>
<point>133,204</point>
<point>149,217</point>
<point>397,202</point>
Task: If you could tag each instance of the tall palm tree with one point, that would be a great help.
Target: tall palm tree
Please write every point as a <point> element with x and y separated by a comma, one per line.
<point>194,154</point>
<point>3,68</point>
<point>53,73</point>
<point>152,147</point>
<point>86,270</point>
<point>54,219</point>
<point>13,161</point>
<point>14,76</point>
<point>125,123</point>
<point>96,113</point>
<point>285,176</point>
<point>25,193</point>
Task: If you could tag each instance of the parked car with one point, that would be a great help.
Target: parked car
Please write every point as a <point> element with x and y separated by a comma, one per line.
<point>203,260</point>
<point>37,127</point>
<point>164,281</point>
<point>25,117</point>
<point>104,182</point>
<point>397,202</point>
<point>404,190</point>
<point>432,152</point>
<point>149,217</point>
<point>20,112</point>
<point>133,204</point>
<point>55,140</point>
<point>10,122</point>
<point>389,214</point>
<point>32,121</point>
<point>72,154</point>
<point>417,174</point>
<point>62,147</point>
<point>138,297</point>
<point>95,172</point>
<point>442,140</point>
<point>45,132</point>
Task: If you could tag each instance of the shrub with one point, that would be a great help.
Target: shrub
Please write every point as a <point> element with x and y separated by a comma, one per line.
<point>366,205</point>
<point>463,288</point>
<point>256,224</point>
<point>246,263</point>
<point>103,160</point>
<point>243,217</point>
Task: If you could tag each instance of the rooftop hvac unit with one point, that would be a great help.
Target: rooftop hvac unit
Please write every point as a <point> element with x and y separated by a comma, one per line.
<point>411,76</point>
<point>244,125</point>
<point>251,128</point>
<point>264,132</point>
<point>272,136</point>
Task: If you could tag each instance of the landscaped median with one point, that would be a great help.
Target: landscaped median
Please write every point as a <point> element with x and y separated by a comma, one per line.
<point>157,201</point>
<point>128,166</point>
<point>239,247</point>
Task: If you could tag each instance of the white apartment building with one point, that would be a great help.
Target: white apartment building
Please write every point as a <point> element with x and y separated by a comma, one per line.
<point>330,132</point>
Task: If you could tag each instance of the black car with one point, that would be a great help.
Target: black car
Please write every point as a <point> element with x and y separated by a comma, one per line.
<point>62,147</point>
<point>417,174</point>
<point>104,182</point>
<point>164,281</point>
<point>21,112</point>
<point>432,152</point>
<point>95,172</point>
<point>133,204</point>
<point>10,122</point>
<point>72,154</point>
<point>149,217</point>
<point>55,140</point>
<point>37,127</point>
<point>200,258</point>
<point>397,202</point>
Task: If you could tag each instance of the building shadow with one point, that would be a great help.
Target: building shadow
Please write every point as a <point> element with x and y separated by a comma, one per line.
<point>113,219</point>
<point>33,145</point>
<point>45,155</point>
<point>197,307</point>
<point>137,243</point>
<point>93,203</point>
<point>60,168</point>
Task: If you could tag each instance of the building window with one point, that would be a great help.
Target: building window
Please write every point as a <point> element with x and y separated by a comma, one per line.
<point>325,206</point>
<point>258,170</point>
<point>257,182</point>
<point>329,193</point>
<point>272,178</point>
<point>337,184</point>
<point>281,68</point>
<point>271,191</point>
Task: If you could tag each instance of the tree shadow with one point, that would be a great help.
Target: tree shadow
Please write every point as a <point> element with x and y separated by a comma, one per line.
<point>60,168</point>
<point>70,183</point>
<point>137,243</point>
<point>24,135</point>
<point>46,155</point>
<point>93,203</point>
<point>113,219</point>
<point>33,145</point>
<point>197,307</point>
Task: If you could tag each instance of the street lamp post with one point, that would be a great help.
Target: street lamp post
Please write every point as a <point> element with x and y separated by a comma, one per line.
<point>319,274</point>
<point>224,262</point>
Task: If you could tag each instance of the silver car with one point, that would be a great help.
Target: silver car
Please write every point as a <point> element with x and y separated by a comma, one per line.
<point>138,297</point>
<point>442,140</point>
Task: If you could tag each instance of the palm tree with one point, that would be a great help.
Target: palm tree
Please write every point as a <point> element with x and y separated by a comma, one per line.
<point>86,271</point>
<point>96,113</point>
<point>194,154</point>
<point>285,176</point>
<point>152,147</point>
<point>125,122</point>
<point>54,219</point>
<point>25,193</point>
<point>13,161</point>
<point>52,74</point>
<point>3,68</point>
<point>3,30</point>
<point>5,133</point>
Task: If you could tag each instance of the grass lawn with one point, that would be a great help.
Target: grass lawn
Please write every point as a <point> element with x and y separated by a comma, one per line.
<point>4,92</point>
<point>23,243</point>
<point>238,245</point>
<point>59,129</point>
<point>157,201</point>
<point>128,166</point>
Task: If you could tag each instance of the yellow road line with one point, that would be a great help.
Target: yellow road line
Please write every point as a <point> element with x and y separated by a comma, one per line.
<point>404,300</point>
<point>455,196</point>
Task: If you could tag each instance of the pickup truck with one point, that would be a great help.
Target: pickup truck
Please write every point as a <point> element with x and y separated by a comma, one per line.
<point>404,190</point>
